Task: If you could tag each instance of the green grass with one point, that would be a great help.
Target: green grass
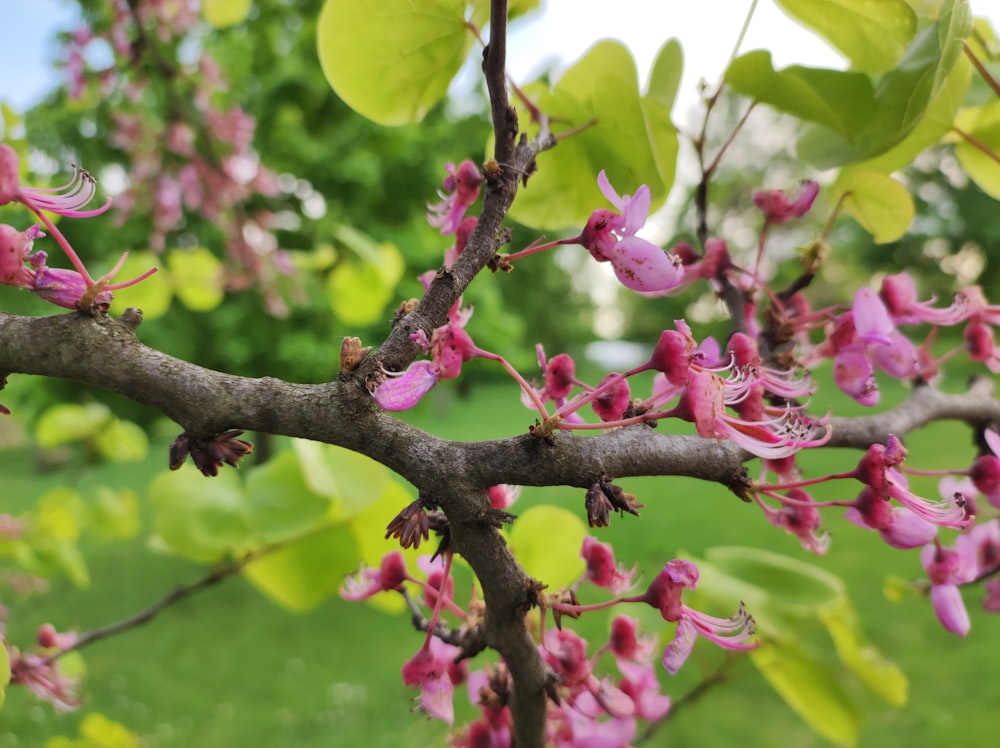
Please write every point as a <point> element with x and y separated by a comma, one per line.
<point>230,668</point>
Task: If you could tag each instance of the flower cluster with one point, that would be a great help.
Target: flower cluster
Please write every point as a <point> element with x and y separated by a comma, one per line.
<point>587,702</point>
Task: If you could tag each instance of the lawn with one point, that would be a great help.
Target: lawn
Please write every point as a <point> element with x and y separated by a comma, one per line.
<point>230,668</point>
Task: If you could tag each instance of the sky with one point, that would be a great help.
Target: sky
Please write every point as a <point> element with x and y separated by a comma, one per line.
<point>564,29</point>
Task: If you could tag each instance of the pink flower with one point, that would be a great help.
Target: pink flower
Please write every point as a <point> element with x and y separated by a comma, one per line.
<point>602,569</point>
<point>461,189</point>
<point>431,668</point>
<point>44,679</point>
<point>67,200</point>
<point>947,569</point>
<point>626,643</point>
<point>450,347</point>
<point>779,207</point>
<point>611,237</point>
<point>899,293</point>
<point>664,593</point>
<point>613,401</point>
<point>19,266</point>
<point>503,495</point>
<point>367,582</point>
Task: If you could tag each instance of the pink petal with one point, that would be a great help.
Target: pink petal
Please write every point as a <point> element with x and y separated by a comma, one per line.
<point>950,608</point>
<point>642,266</point>
<point>677,651</point>
<point>404,391</point>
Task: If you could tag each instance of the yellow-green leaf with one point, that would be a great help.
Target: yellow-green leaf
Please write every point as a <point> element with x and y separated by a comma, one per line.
<point>546,540</point>
<point>222,13</point>
<point>878,202</point>
<point>106,733</point>
<point>305,572</point>
<point>629,136</point>
<point>196,275</point>
<point>200,518</point>
<point>152,295</point>
<point>810,689</point>
<point>62,424</point>
<point>872,35</point>
<point>122,441</point>
<point>981,124</point>
<point>883,677</point>
<point>392,60</point>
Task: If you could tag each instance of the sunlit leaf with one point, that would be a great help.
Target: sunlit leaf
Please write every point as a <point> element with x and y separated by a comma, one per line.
<point>200,518</point>
<point>546,540</point>
<point>357,293</point>
<point>934,125</point>
<point>978,148</point>
<point>279,503</point>
<point>222,13</point>
<point>122,441</point>
<point>65,423</point>
<point>106,733</point>
<point>840,101</point>
<point>305,572</point>
<point>902,95</point>
<point>196,276</point>
<point>352,480</point>
<point>811,689</point>
<point>600,91</point>
<point>391,61</point>
<point>872,35</point>
<point>882,206</point>
<point>860,656</point>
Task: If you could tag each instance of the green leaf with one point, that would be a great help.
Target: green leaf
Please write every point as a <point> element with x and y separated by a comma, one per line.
<point>122,441</point>
<point>352,480</point>
<point>384,256</point>
<point>902,95</point>
<point>62,424</point>
<point>546,541</point>
<point>393,60</point>
<point>114,513</point>
<point>106,733</point>
<point>222,13</point>
<point>357,293</point>
<point>200,518</point>
<point>981,123</point>
<point>657,104</point>
<point>196,275</point>
<point>601,88</point>
<point>840,101</point>
<point>302,574</point>
<point>872,35</point>
<point>152,295</point>
<point>881,676</point>
<point>935,124</point>
<point>810,689</point>
<point>878,202</point>
<point>279,503</point>
<point>786,579</point>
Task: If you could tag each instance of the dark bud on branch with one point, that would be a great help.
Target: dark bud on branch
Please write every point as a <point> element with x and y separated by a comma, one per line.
<point>209,454</point>
<point>411,525</point>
